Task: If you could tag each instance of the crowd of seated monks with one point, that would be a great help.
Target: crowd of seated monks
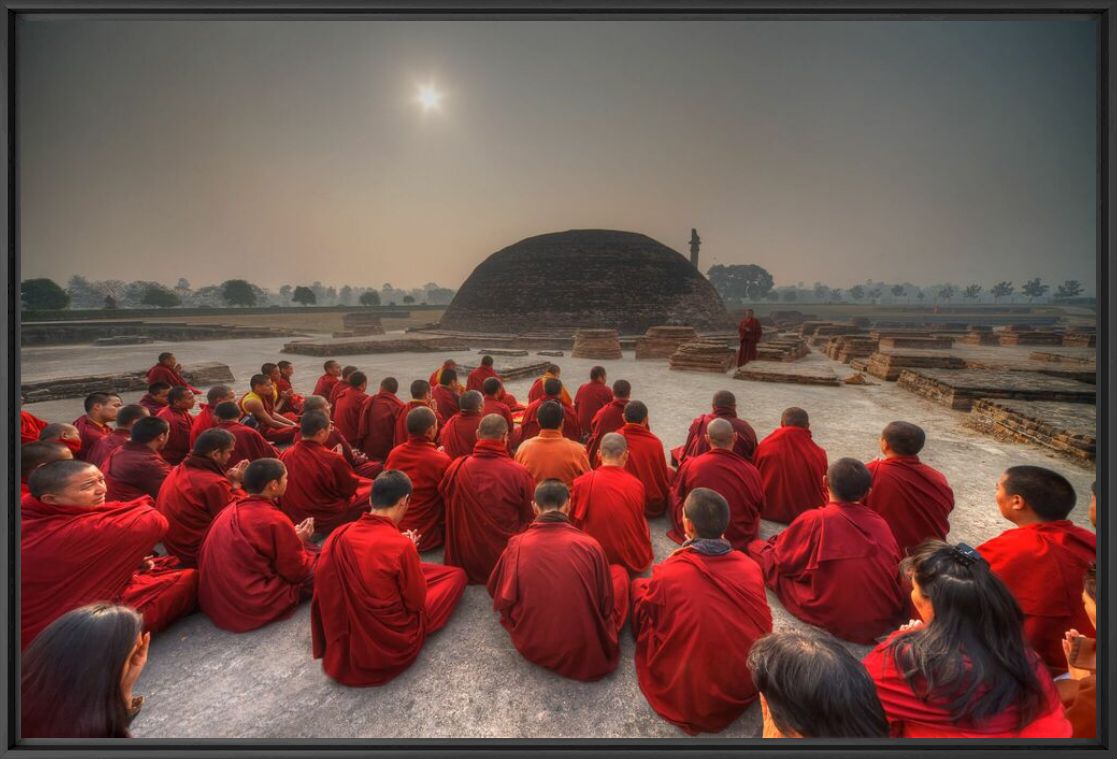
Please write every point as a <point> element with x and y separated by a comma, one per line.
<point>134,516</point>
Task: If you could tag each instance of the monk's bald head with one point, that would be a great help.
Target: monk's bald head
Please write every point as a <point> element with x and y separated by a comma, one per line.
<point>635,412</point>
<point>552,387</point>
<point>849,480</point>
<point>331,366</point>
<point>315,403</point>
<point>724,399</point>
<point>219,393</point>
<point>721,433</point>
<point>492,427</point>
<point>59,431</point>
<point>613,447</point>
<point>471,401</point>
<point>708,511</point>
<point>486,360</point>
<point>226,412</point>
<point>420,420</point>
<point>420,389</point>
<point>389,385</point>
<point>389,488</point>
<point>550,415</point>
<point>904,438</point>
<point>622,389</point>
<point>795,417</point>
<point>34,455</point>
<point>551,494</point>
<point>491,386</point>
<point>347,370</point>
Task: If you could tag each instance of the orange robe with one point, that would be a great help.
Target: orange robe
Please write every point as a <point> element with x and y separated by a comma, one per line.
<point>607,504</point>
<point>529,424</point>
<point>425,465</point>
<point>913,498</point>
<point>322,485</point>
<point>646,460</point>
<point>729,475</point>
<point>192,495</point>
<point>792,467</point>
<point>549,454</point>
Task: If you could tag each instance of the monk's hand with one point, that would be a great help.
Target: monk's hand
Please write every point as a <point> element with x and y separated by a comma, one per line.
<point>913,624</point>
<point>360,457</point>
<point>412,535</point>
<point>236,474</point>
<point>1072,640</point>
<point>147,564</point>
<point>339,450</point>
<point>305,529</point>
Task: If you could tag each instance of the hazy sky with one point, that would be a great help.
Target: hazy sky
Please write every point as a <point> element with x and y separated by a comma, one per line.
<point>289,151</point>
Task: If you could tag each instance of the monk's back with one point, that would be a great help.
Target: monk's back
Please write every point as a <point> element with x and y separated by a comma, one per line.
<point>791,467</point>
<point>915,499</point>
<point>737,481</point>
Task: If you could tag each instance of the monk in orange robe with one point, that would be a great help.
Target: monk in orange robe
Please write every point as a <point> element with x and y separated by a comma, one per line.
<point>377,426</point>
<point>436,376</point>
<point>204,420</point>
<point>170,371</point>
<point>424,466</point>
<point>607,504</point>
<point>259,403</point>
<point>34,455</point>
<point>695,620</point>
<point>558,597</point>
<point>727,474</point>
<point>724,407</point>
<point>477,377</point>
<point>136,469</point>
<point>347,408</point>
<point>750,332</point>
<point>591,398</point>
<point>77,549</point>
<point>487,497</point>
<point>420,397</point>
<point>179,419</point>
<point>63,434</point>
<point>156,397</point>
<point>103,448</point>
<point>337,442</point>
<point>646,459</point>
<point>792,466</point>
<point>457,437</point>
<point>837,567</point>
<point>29,427</point>
<point>1043,558</point>
<point>375,602</point>
<point>609,418</point>
<point>913,498</point>
<point>255,566</point>
<point>552,391</point>
<point>250,444</point>
<point>331,375</point>
<point>100,409</point>
<point>550,455</point>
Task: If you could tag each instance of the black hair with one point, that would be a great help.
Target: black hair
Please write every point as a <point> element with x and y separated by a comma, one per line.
<point>164,356</point>
<point>708,511</point>
<point>268,368</point>
<point>147,429</point>
<point>552,387</point>
<point>313,422</point>
<point>227,411</point>
<point>795,417</point>
<point>904,438</point>
<point>491,386</point>
<point>597,372</point>
<point>419,420</point>
<point>55,476</point>
<point>216,393</point>
<point>550,415</point>
<point>622,389</point>
<point>284,364</point>
<point>97,399</point>
<point>53,431</point>
<point>390,384</point>
<point>389,487</point>
<point>635,412</point>
<point>447,376</point>
<point>261,472</point>
<point>347,370</point>
<point>178,392</point>
<point>258,379</point>
<point>158,387</point>
<point>1046,492</point>
<point>356,379</point>
<point>551,494</point>
<point>419,389</point>
<point>34,455</point>
<point>849,480</point>
<point>213,439</point>
<point>724,399</point>
<point>129,414</point>
<point>471,400</point>
<point>486,360</point>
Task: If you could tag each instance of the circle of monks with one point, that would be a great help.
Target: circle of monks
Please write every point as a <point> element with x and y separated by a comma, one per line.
<point>267,499</point>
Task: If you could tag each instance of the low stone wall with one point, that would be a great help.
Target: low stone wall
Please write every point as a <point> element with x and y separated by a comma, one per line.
<point>361,347</point>
<point>776,371</point>
<point>63,333</point>
<point>888,365</point>
<point>916,342</point>
<point>1067,428</point>
<point>704,356</point>
<point>600,344</point>
<point>661,342</point>
<point>958,389</point>
<point>199,375</point>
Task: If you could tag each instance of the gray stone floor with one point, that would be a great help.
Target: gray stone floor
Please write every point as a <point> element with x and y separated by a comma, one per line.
<point>469,682</point>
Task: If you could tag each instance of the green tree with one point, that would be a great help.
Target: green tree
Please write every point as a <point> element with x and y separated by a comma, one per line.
<point>740,282</point>
<point>972,291</point>
<point>836,293</point>
<point>408,299</point>
<point>237,292</point>
<point>857,292</point>
<point>1069,289</point>
<point>304,296</point>
<point>160,297</point>
<point>43,294</point>
<point>369,298</point>
<point>1001,290</point>
<point>821,291</point>
<point>897,291</point>
<point>875,294</point>
<point>1034,288</point>
<point>110,303</point>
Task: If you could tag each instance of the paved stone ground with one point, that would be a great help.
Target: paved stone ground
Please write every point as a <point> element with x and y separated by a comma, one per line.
<point>469,682</point>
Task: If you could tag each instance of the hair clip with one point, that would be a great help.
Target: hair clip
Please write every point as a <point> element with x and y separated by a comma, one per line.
<point>966,554</point>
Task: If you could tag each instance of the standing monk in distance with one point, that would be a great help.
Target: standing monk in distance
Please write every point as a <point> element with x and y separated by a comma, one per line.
<point>750,331</point>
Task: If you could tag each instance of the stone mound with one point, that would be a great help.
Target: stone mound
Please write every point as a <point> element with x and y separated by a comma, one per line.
<point>703,356</point>
<point>778,371</point>
<point>888,365</point>
<point>602,344</point>
<point>202,374</point>
<point>1067,428</point>
<point>959,389</point>
<point>662,341</point>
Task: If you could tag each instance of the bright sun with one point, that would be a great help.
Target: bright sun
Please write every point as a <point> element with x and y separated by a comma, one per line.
<point>429,97</point>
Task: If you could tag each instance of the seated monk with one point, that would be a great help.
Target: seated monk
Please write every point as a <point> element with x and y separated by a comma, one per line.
<point>341,384</point>
<point>377,426</point>
<point>259,403</point>
<point>424,466</point>
<point>155,399</point>
<point>727,474</point>
<point>320,483</point>
<point>179,419</point>
<point>63,434</point>
<point>196,491</point>
<point>550,455</point>
<point>724,407</point>
<point>459,434</point>
<point>537,391</point>
<point>282,401</point>
<point>1079,691</point>
<point>420,396</point>
<point>374,602</point>
<point>34,455</point>
<point>607,504</point>
<point>136,469</point>
<point>1043,558</point>
<point>436,375</point>
<point>487,497</point>
<point>204,420</point>
<point>103,448</point>
<point>250,445</point>
<point>29,427</point>
<point>493,404</point>
<point>787,667</point>
<point>835,567</point>
<point>609,418</point>
<point>964,669</point>
<point>552,392</point>
<point>913,498</point>
<point>77,549</point>
<point>294,401</point>
<point>445,394</point>
<point>477,377</point>
<point>591,398</point>
<point>255,566</point>
<point>646,459</point>
<point>694,621</point>
<point>558,597</point>
<point>356,459</point>
<point>170,371</point>
<point>331,375</point>
<point>791,467</point>
<point>100,409</point>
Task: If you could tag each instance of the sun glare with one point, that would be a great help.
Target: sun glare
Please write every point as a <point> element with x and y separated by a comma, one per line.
<point>429,98</point>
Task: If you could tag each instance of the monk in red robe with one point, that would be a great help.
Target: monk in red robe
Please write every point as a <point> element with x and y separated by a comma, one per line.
<point>493,404</point>
<point>724,407</point>
<point>63,434</point>
<point>331,375</point>
<point>607,504</point>
<point>375,602</point>
<point>342,383</point>
<point>727,474</point>
<point>791,466</point>
<point>287,402</point>
<point>377,426</point>
<point>34,455</point>
<point>156,397</point>
<point>477,377</point>
<point>29,427</point>
<point>122,431</point>
<point>136,469</point>
<point>646,459</point>
<point>100,410</point>
<point>558,597</point>
<point>286,389</point>
<point>750,331</point>
<point>537,390</point>
<point>695,620</point>
<point>179,419</point>
<point>446,394</point>
<point>255,566</point>
<point>609,418</point>
<point>424,466</point>
<point>1043,558</point>
<point>457,437</point>
<point>77,549</point>
<point>552,391</point>
<point>447,365</point>
<point>837,567</point>
<point>420,397</point>
<point>204,420</point>
<point>591,398</point>
<point>320,483</point>
<point>196,491</point>
<point>337,442</point>
<point>250,444</point>
<point>259,403</point>
<point>347,407</point>
<point>170,371</point>
<point>487,497</point>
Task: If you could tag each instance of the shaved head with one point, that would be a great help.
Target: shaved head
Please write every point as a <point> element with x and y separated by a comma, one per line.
<point>904,438</point>
<point>419,420</point>
<point>34,455</point>
<point>471,401</point>
<point>551,494</point>
<point>492,427</point>
<point>795,417</point>
<point>635,412</point>
<point>721,433</point>
<point>613,446</point>
<point>552,387</point>
<point>724,399</point>
<point>389,385</point>
<point>420,389</point>
<point>491,386</point>
<point>227,411</point>
<point>315,403</point>
<point>622,389</point>
<point>708,511</point>
<point>219,393</point>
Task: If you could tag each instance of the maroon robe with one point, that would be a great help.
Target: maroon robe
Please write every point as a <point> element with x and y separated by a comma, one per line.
<point>735,479</point>
<point>294,400</point>
<point>609,418</point>
<point>750,331</point>
<point>29,427</point>
<point>203,421</point>
<point>192,495</point>
<point>493,406</point>
<point>477,377</point>
<point>646,460</point>
<point>696,445</point>
<point>178,444</point>
<point>90,432</point>
<point>250,444</point>
<point>321,484</point>
<point>607,504</point>
<point>153,406</point>
<point>160,373</point>
<point>913,498</point>
<point>529,424</point>
<point>347,413</point>
<point>134,470</point>
<point>103,448</point>
<point>792,467</point>
<point>591,398</point>
<point>447,401</point>
<point>459,435</point>
<point>400,434</point>
<point>325,385</point>
<point>377,426</point>
<point>425,465</point>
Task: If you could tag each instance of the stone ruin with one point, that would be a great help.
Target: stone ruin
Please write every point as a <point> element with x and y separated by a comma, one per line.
<point>1066,428</point>
<point>778,371</point>
<point>887,365</point>
<point>704,355</point>
<point>958,389</point>
<point>199,375</point>
<point>601,344</point>
<point>360,324</point>
<point>662,341</point>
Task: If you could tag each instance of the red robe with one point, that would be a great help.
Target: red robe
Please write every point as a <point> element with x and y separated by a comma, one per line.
<point>459,435</point>
<point>335,391</point>
<point>529,424</point>
<point>192,495</point>
<point>647,462</point>
<point>376,429</point>
<point>436,377</point>
<point>321,484</point>
<point>294,400</point>
<point>696,445</point>
<point>178,444</point>
<point>400,435</point>
<point>133,470</point>
<point>694,622</point>
<point>425,465</point>
<point>273,433</point>
<point>203,421</point>
<point>367,469</point>
<point>913,716</point>
<point>253,567</point>
<point>29,427</point>
<point>347,413</point>
<point>477,377</point>
<point>71,556</point>
<point>837,568</point>
<point>608,505</point>
<point>750,331</point>
<point>103,448</point>
<point>447,401</point>
<point>488,500</point>
<point>325,385</point>
<point>160,373</point>
<point>375,602</point>
<point>735,479</point>
<point>536,391</point>
<point>591,398</point>
<point>250,444</point>
<point>913,498</point>
<point>609,418</point>
<point>153,406</point>
<point>792,467</point>
<point>560,600</point>
<point>493,406</point>
<point>91,432</point>
<point>1043,565</point>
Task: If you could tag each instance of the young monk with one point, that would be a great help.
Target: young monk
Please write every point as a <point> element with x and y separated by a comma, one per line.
<point>255,566</point>
<point>558,597</point>
<point>1043,558</point>
<point>420,397</point>
<point>63,434</point>
<point>34,455</point>
<point>377,426</point>
<point>1079,692</point>
<point>331,374</point>
<point>170,371</point>
<point>607,504</point>
<point>424,466</point>
<point>724,407</point>
<point>76,549</point>
<point>100,409</point>
<point>259,403</point>
<point>342,383</point>
<point>250,444</point>
<point>336,442</point>
<point>347,407</point>
<point>320,483</point>
<point>103,448</point>
<point>179,420</point>
<point>29,427</point>
<point>913,498</point>
<point>537,390</point>
<point>646,459</point>
<point>374,602</point>
<point>591,398</point>
<point>552,392</point>
<point>835,567</point>
<point>477,377</point>
<point>294,401</point>
<point>727,474</point>
<point>791,467</point>
<point>204,420</point>
<point>487,497</point>
<point>458,436</point>
<point>156,397</point>
<point>196,491</point>
<point>446,393</point>
<point>609,418</point>
<point>694,621</point>
<point>136,469</point>
<point>550,455</point>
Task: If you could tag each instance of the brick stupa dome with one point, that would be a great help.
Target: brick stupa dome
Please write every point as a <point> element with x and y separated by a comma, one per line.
<point>585,278</point>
